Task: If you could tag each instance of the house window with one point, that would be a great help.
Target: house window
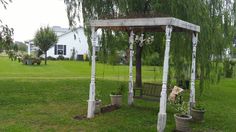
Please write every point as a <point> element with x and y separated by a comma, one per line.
<point>60,50</point>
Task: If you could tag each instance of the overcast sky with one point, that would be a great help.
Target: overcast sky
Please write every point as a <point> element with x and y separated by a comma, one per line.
<point>26,16</point>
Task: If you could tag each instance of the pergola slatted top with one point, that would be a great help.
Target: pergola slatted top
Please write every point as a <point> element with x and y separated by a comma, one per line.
<point>156,24</point>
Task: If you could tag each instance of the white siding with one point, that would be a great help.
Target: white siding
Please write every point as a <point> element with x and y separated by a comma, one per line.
<point>80,44</point>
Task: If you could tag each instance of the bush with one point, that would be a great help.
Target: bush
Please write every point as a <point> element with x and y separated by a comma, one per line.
<point>51,58</point>
<point>36,61</point>
<point>229,68</point>
<point>152,60</point>
<point>65,58</point>
<point>25,58</point>
<point>60,57</point>
<point>120,90</point>
<point>29,60</point>
<point>113,59</point>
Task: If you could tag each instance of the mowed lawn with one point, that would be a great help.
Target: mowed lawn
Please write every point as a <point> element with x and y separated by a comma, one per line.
<point>46,98</point>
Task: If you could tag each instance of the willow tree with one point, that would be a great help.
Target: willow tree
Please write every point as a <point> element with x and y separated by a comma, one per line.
<point>5,32</point>
<point>111,9</point>
<point>214,17</point>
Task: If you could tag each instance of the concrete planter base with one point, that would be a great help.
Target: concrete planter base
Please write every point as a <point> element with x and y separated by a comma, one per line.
<point>183,123</point>
<point>29,62</point>
<point>98,104</point>
<point>198,115</point>
<point>116,100</point>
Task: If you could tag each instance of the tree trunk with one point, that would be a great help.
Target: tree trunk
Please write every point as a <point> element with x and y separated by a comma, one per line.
<point>45,58</point>
<point>138,66</point>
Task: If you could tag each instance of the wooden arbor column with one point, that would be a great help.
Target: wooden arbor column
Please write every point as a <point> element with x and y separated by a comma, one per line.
<point>193,71</point>
<point>162,112</point>
<point>91,101</point>
<point>131,54</point>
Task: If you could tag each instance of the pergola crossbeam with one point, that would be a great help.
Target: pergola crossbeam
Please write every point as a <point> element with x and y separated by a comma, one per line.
<point>145,22</point>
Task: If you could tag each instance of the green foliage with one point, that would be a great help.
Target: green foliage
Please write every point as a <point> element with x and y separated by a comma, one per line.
<point>179,105</point>
<point>22,47</point>
<point>152,60</point>
<point>30,60</point>
<point>111,44</point>
<point>11,54</point>
<point>120,90</point>
<point>229,68</point>
<point>215,17</point>
<point>6,40</point>
<point>64,94</point>
<point>181,108</point>
<point>98,95</point>
<point>39,52</point>
<point>45,38</point>
<point>6,33</point>
<point>199,106</point>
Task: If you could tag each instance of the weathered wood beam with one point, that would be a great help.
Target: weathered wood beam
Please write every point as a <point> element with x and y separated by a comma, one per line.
<point>145,22</point>
<point>193,72</point>
<point>91,101</point>
<point>131,50</point>
<point>162,112</point>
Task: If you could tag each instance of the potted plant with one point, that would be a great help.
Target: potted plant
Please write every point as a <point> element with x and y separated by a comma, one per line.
<point>36,60</point>
<point>98,103</point>
<point>197,112</point>
<point>182,118</point>
<point>116,96</point>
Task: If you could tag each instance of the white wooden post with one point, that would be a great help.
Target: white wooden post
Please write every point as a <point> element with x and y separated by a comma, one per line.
<point>131,42</point>
<point>81,21</point>
<point>91,101</point>
<point>193,71</point>
<point>29,48</point>
<point>162,112</point>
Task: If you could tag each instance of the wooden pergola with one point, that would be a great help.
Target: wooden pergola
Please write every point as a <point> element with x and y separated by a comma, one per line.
<point>140,25</point>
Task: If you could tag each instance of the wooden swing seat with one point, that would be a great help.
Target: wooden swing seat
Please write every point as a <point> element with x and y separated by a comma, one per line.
<point>149,91</point>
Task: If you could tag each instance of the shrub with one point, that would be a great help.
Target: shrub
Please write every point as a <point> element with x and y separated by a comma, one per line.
<point>60,57</point>
<point>120,90</point>
<point>36,61</point>
<point>229,68</point>
<point>113,58</point>
<point>51,58</point>
<point>29,60</point>
<point>153,60</point>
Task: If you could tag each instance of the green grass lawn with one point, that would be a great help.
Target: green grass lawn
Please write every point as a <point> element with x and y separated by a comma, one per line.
<point>46,98</point>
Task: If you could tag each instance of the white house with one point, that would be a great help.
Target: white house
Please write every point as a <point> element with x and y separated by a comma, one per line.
<point>69,43</point>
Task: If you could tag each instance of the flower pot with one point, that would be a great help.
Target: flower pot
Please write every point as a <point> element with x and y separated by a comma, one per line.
<point>29,62</point>
<point>198,115</point>
<point>98,104</point>
<point>183,122</point>
<point>116,100</point>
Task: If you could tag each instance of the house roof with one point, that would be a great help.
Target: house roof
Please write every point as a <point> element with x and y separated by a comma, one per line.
<point>70,31</point>
<point>64,31</point>
<point>60,29</point>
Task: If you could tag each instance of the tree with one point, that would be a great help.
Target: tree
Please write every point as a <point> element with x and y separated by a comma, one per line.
<point>45,38</point>
<point>5,3</point>
<point>215,18</point>
<point>5,32</point>
<point>21,46</point>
